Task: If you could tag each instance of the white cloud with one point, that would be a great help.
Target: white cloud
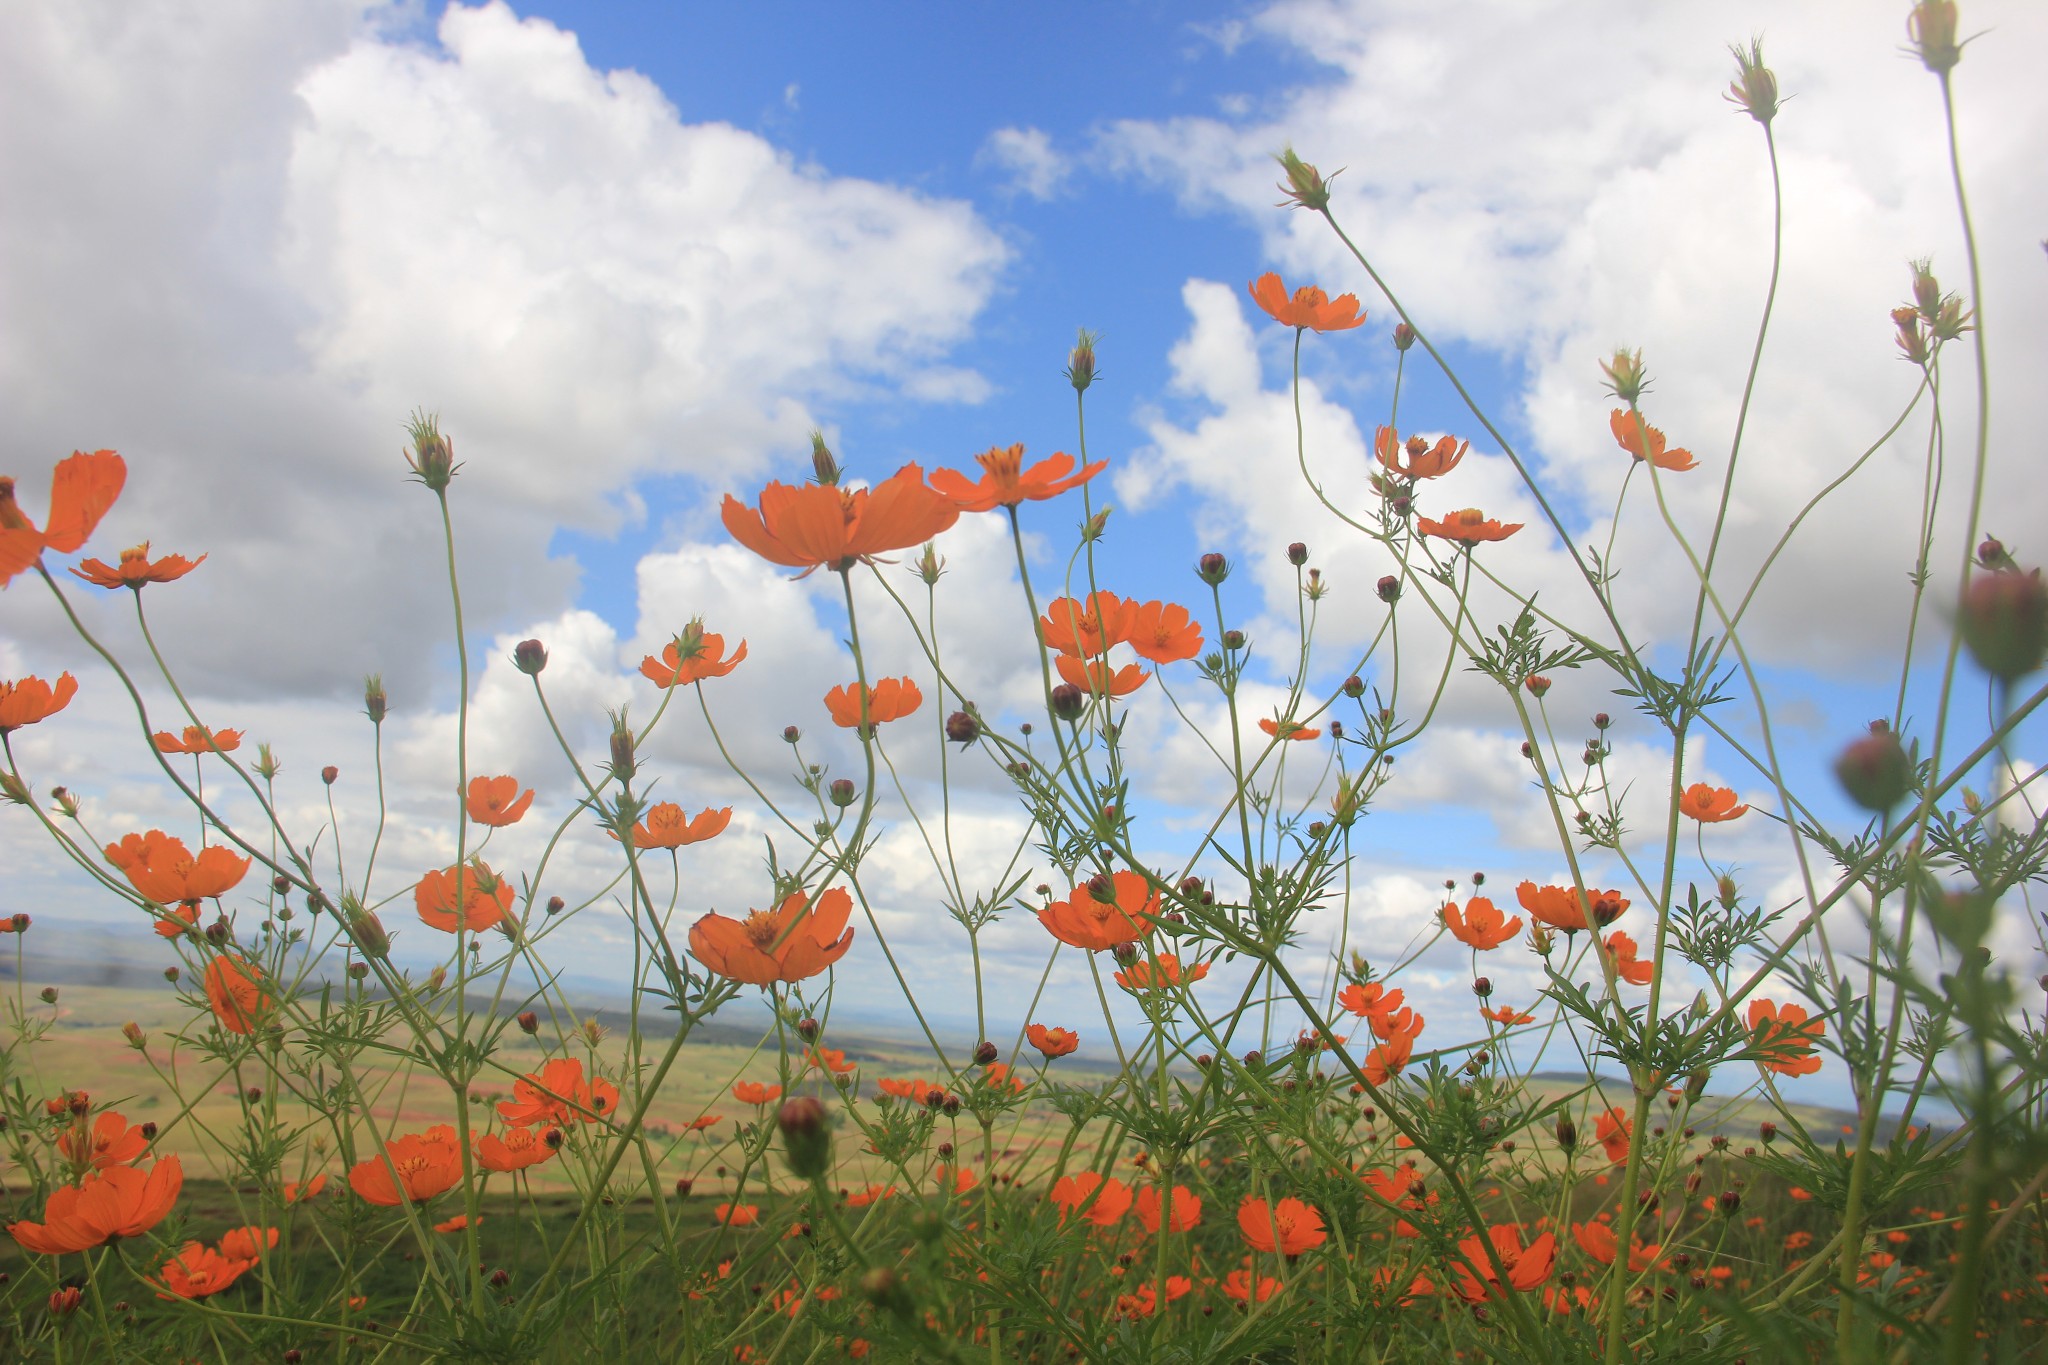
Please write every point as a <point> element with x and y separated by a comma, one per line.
<point>1035,167</point>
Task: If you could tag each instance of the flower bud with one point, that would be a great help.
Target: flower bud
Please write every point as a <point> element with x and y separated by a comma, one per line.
<point>623,761</point>
<point>64,1302</point>
<point>1233,639</point>
<point>1315,587</point>
<point>1125,954</point>
<point>374,701</point>
<point>555,905</point>
<point>1389,589</point>
<point>807,1029</point>
<point>1080,370</point>
<point>436,979</point>
<point>1304,186</point>
<point>530,657</point>
<point>806,1137</point>
<point>985,1052</point>
<point>1567,1133</point>
<point>1297,554</point>
<point>48,995</point>
<point>593,1032</point>
<point>219,932</point>
<point>328,774</point>
<point>823,467</point>
<point>67,804</point>
<point>1254,1058</point>
<point>432,456</point>
<point>1768,1131</point>
<point>137,1039</point>
<point>1755,88</point>
<point>1212,568</point>
<point>1601,720</point>
<point>20,923</point>
<point>842,792</point>
<point>1932,28</point>
<point>683,1186</point>
<point>1537,685</point>
<point>529,1022</point>
<point>790,734</point>
<point>929,566</point>
<point>358,970</point>
<point>369,934</point>
<point>170,973</point>
<point>962,727</point>
<point>884,1288</point>
<point>1068,701</point>
<point>1540,939</point>
<point>1404,336</point>
<point>1875,771</point>
<point>2004,619</point>
<point>1482,987</point>
<point>15,790</point>
<point>1625,377</point>
<point>1992,555</point>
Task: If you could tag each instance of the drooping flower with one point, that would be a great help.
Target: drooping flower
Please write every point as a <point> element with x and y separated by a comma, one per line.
<point>496,801</point>
<point>667,827</point>
<point>1480,924</point>
<point>111,1141</point>
<point>756,1092</point>
<point>1146,974</point>
<point>1424,460</point>
<point>825,526</point>
<point>1086,628</point>
<point>889,699</point>
<point>136,568</point>
<point>1184,1209</point>
<point>486,898</point>
<point>1309,307</point>
<point>691,657</point>
<point>117,1202</point>
<point>248,1242</point>
<point>1097,678</point>
<point>1289,1227</point>
<point>236,997</point>
<point>426,1164</point>
<point>1163,633</point>
<point>82,488</point>
<point>1630,431</point>
<point>197,739</point>
<point>197,1271</point>
<point>1239,1286</point>
<point>31,699</point>
<point>1103,912</point>
<point>1637,972</point>
<point>1611,1130</point>
<point>1527,1267</point>
<point>793,942</point>
<point>1710,805</point>
<point>1560,907</point>
<point>1053,1042</point>
<point>516,1148</point>
<point>1288,729</point>
<point>1786,1034</point>
<point>1467,527</point>
<point>296,1191</point>
<point>557,1093</point>
<point>1005,482</point>
<point>1102,1201</point>
<point>162,869</point>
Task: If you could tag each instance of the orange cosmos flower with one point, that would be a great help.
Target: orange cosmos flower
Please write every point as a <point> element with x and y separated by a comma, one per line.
<point>31,699</point>
<point>1162,633</point>
<point>515,1149</point>
<point>557,1094</point>
<point>1144,975</point>
<point>872,1194</point>
<point>107,1205</point>
<point>1289,1227</point>
<point>691,657</point>
<point>1005,482</point>
<point>247,1243</point>
<point>824,526</point>
<point>1387,1059</point>
<point>1508,1015</point>
<point>164,870</point>
<point>232,990</point>
<point>1467,527</point>
<point>830,1059</point>
<point>1480,925</point>
<point>1103,912</point>
<point>1184,1209</point>
<point>197,739</point>
<point>136,568</point>
<point>1630,430</point>
<point>754,1092</point>
<point>1053,1042</point>
<point>1097,678</point>
<point>1087,627</point>
<point>1626,965</point>
<point>1598,1241</point>
<point>110,1142</point>
<point>795,941</point>
<point>889,699</point>
<point>1611,1130</point>
<point>1287,729</point>
<point>426,1164</point>
<point>1391,1024</point>
<point>1787,1035</point>
<point>457,1223</point>
<point>1527,1267</point>
<point>1238,1285</point>
<point>1561,908</point>
<point>904,1088</point>
<point>491,801</point>
<point>197,1271</point>
<point>1101,1201</point>
<point>82,488</point>
<point>486,898</point>
<point>1710,805</point>
<point>295,1192</point>
<point>667,827</point>
<point>1424,460</point>
<point>1370,1000</point>
<point>1310,307</point>
<point>737,1215</point>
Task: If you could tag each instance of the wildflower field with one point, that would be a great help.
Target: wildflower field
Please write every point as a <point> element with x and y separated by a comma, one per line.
<point>300,1148</point>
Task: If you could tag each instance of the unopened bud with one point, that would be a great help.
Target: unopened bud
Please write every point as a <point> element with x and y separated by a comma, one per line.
<point>1212,568</point>
<point>1754,89</point>
<point>1233,639</point>
<point>432,456</point>
<point>806,1137</point>
<point>623,762</point>
<point>1304,186</point>
<point>48,995</point>
<point>1081,362</point>
<point>1991,554</point>
<point>1567,1133</point>
<point>962,728</point>
<point>132,1031</point>
<point>807,1029</point>
<point>1068,701</point>
<point>1537,685</point>
<point>1404,336</point>
<point>1932,28</point>
<point>370,934</point>
<point>1389,589</point>
<point>929,566</point>
<point>1482,987</point>
<point>374,701</point>
<point>555,905</point>
<point>2004,620</point>
<point>67,804</point>
<point>530,657</point>
<point>529,1021</point>
<point>1875,770</point>
<point>842,792</point>
<point>1625,377</point>
<point>823,467</point>
<point>1297,554</point>
<point>64,1302</point>
<point>985,1052</point>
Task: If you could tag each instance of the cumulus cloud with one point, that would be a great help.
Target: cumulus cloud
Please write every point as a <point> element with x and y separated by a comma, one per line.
<point>1035,167</point>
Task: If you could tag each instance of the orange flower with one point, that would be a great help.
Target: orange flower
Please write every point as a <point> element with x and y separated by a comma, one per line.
<point>872,1194</point>
<point>457,1223</point>
<point>903,1088</point>
<point>1526,1267</point>
<point>754,1092</point>
<point>82,488</point>
<point>1710,805</point>
<point>1087,628</point>
<point>1103,912</point>
<point>295,1192</point>
<point>824,526</point>
<point>1144,975</point>
<point>1561,908</point>
<point>110,1142</point>
<point>1096,678</point>
<point>667,827</point>
<point>1387,1059</point>
<point>1238,1285</point>
<point>1391,1024</point>
<point>691,657</point>
<point>737,1215</point>
<point>491,801</point>
<point>117,1202</point>
<point>31,699</point>
<point>830,1059</point>
<point>197,739</point>
<point>791,943</point>
<point>247,1243</point>
<point>237,999</point>
<point>164,870</point>
<point>1626,965</point>
<point>1005,482</point>
<point>1162,633</point>
<point>516,1148</point>
<point>1053,1042</point>
<point>1289,1227</point>
<point>1287,729</point>
<point>557,1094</point>
<point>1786,1034</point>
<point>1467,527</point>
<point>177,919</point>
<point>1309,308</point>
<point>1598,1241</point>
<point>1185,1210</point>
<point>1370,1000</point>
<point>426,1164</point>
<point>703,1121</point>
<point>1508,1015</point>
<point>1424,460</point>
<point>136,568</point>
<point>889,699</point>
<point>486,898</point>
<point>1101,1201</point>
<point>1611,1130</point>
<point>1480,925</point>
<point>197,1271</point>
<point>1629,430</point>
